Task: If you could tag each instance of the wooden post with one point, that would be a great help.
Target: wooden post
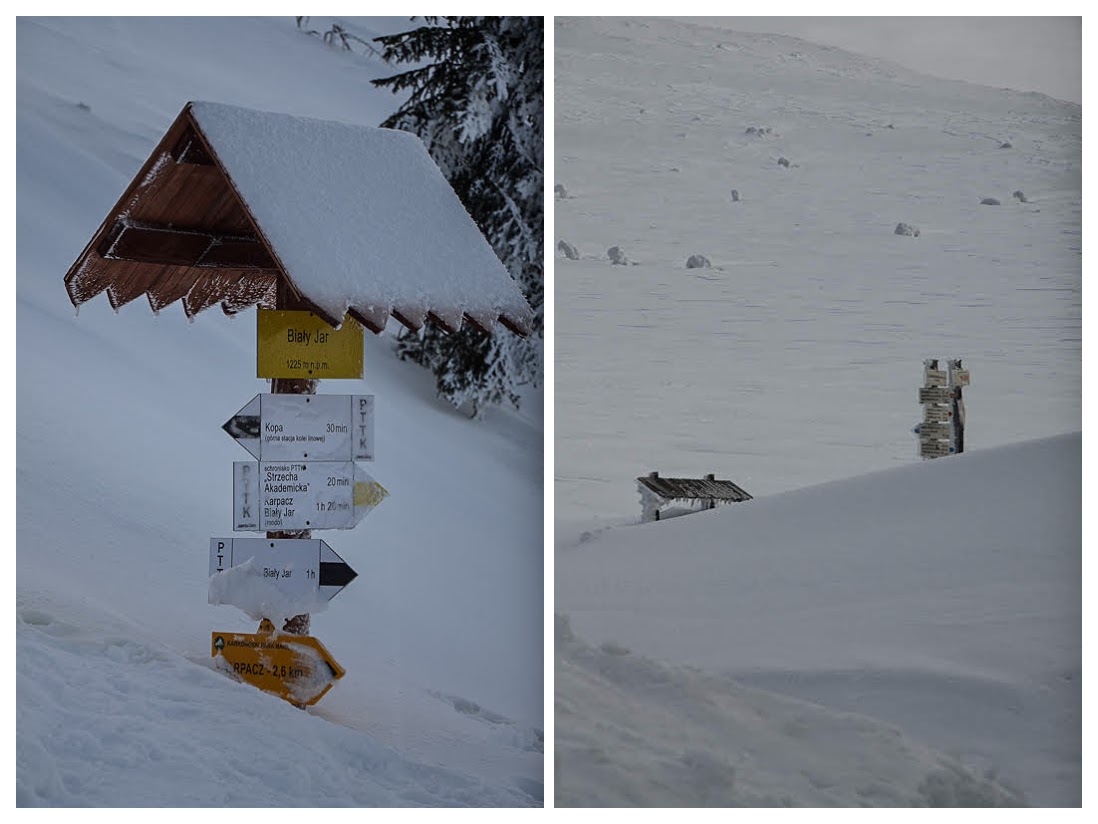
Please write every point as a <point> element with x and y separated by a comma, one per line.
<point>958,405</point>
<point>655,474</point>
<point>299,624</point>
<point>712,502</point>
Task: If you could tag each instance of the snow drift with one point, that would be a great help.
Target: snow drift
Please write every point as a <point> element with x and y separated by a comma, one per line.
<point>943,599</point>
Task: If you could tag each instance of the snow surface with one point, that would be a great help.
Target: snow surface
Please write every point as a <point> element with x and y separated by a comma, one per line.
<point>928,613</point>
<point>943,599</point>
<point>358,216</point>
<point>124,474</point>
<point>796,358</point>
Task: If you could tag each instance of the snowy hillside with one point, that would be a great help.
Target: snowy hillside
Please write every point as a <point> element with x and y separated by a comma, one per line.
<point>928,613</point>
<point>795,358</point>
<point>941,599</point>
<point>124,475</point>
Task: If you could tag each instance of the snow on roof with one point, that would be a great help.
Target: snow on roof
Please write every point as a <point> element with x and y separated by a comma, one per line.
<point>693,488</point>
<point>358,216</point>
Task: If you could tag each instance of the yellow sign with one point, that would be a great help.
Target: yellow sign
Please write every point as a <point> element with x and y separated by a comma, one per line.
<point>302,345</point>
<point>369,494</point>
<point>296,668</point>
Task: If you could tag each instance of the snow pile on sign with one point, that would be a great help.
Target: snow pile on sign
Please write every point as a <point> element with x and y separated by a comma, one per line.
<point>245,587</point>
<point>358,216</point>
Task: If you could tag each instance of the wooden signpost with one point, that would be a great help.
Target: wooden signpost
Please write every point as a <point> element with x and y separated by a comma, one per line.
<point>193,227</point>
<point>942,430</point>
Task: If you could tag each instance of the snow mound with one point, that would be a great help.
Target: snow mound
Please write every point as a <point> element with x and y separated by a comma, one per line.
<point>942,598</point>
<point>617,256</point>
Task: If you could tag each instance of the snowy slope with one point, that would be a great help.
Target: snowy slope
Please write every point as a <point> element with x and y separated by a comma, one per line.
<point>943,599</point>
<point>123,476</point>
<point>795,358</point>
<point>938,601</point>
<point>635,731</point>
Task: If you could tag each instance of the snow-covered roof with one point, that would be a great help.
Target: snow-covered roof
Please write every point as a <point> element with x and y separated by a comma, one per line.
<point>350,218</point>
<point>692,489</point>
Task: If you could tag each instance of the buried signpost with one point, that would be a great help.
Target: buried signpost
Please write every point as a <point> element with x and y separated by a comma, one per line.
<point>942,429</point>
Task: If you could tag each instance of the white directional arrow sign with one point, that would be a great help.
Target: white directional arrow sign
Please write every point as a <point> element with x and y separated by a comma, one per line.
<point>306,427</point>
<point>297,568</point>
<point>277,495</point>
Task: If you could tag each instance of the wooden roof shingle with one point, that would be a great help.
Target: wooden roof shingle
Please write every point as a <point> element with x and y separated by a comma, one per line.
<point>694,489</point>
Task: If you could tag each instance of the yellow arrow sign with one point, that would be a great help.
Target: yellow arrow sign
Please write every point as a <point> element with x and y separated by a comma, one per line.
<point>292,344</point>
<point>297,668</point>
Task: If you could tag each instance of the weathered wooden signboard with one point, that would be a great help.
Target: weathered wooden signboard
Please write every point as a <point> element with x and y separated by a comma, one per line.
<point>935,394</point>
<point>296,567</point>
<point>306,427</point>
<point>935,430</point>
<point>935,377</point>
<point>297,668</point>
<point>934,449</point>
<point>293,344</point>
<point>941,432</point>
<point>937,414</point>
<point>291,495</point>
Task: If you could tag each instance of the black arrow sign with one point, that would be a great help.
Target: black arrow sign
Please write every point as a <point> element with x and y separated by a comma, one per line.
<point>243,426</point>
<point>306,562</point>
<point>336,574</point>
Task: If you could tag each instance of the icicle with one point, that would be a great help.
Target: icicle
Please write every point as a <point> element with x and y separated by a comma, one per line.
<point>76,312</point>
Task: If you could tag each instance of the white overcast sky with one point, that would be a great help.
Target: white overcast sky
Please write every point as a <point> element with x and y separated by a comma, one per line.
<point>1042,54</point>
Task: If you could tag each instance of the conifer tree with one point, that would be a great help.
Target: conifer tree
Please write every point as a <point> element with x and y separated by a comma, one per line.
<point>476,96</point>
